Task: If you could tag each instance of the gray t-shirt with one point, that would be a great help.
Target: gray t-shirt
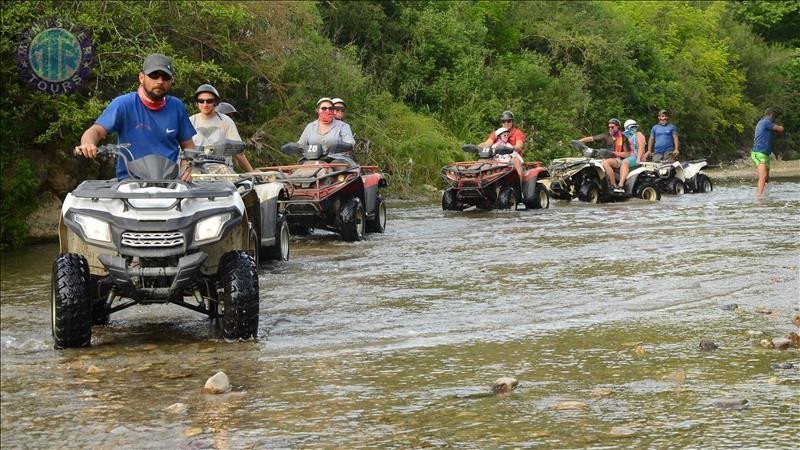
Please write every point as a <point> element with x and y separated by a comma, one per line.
<point>339,132</point>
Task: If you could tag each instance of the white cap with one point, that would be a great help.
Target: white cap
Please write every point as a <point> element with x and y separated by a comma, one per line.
<point>500,131</point>
<point>338,100</point>
<point>630,123</point>
<point>324,99</point>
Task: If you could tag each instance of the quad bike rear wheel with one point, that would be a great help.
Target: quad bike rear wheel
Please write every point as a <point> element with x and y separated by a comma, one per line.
<point>449,201</point>
<point>507,199</point>
<point>239,301</point>
<point>703,183</point>
<point>677,187</point>
<point>279,251</point>
<point>70,305</point>
<point>378,223</point>
<point>589,192</point>
<point>352,220</point>
<point>650,193</point>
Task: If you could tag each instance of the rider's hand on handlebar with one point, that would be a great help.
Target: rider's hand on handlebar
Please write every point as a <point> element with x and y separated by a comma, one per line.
<point>186,172</point>
<point>86,150</point>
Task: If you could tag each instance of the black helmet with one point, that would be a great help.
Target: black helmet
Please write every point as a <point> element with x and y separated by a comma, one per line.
<point>615,122</point>
<point>507,115</point>
<point>206,88</point>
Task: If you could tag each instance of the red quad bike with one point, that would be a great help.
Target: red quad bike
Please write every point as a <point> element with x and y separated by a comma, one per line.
<point>331,191</point>
<point>490,184</point>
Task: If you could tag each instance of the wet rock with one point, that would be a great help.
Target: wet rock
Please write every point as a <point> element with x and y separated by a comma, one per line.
<point>568,405</point>
<point>766,343</point>
<point>601,392</point>
<point>761,309</point>
<point>640,350</point>
<point>782,366</point>
<point>177,408</point>
<point>730,307</point>
<point>707,345</point>
<point>794,338</point>
<point>94,369</point>
<point>773,380</point>
<point>504,385</point>
<point>217,384</point>
<point>679,376</point>
<point>192,431</point>
<point>754,333</point>
<point>731,403</point>
<point>176,374</point>
<point>621,431</point>
<point>781,343</point>
<point>796,318</point>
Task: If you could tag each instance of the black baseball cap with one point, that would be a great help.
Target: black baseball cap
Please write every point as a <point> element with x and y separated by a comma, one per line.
<point>156,62</point>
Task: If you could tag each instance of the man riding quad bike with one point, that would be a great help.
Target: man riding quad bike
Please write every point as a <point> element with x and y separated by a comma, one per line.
<point>491,184</point>
<point>152,238</point>
<point>584,178</point>
<point>331,191</point>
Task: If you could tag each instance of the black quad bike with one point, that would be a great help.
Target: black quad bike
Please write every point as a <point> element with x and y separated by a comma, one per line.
<point>262,193</point>
<point>585,179</point>
<point>491,184</point>
<point>330,191</point>
<point>152,238</point>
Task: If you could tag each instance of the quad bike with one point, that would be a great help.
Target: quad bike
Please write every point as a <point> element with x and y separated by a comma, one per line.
<point>152,238</point>
<point>261,199</point>
<point>491,184</point>
<point>678,178</point>
<point>585,179</point>
<point>331,191</point>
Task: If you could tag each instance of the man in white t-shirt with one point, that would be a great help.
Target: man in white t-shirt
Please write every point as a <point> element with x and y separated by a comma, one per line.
<point>213,127</point>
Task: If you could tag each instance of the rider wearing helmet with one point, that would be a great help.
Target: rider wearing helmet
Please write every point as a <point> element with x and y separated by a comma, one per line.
<point>636,140</point>
<point>225,108</point>
<point>213,127</point>
<point>516,139</point>
<point>615,140</point>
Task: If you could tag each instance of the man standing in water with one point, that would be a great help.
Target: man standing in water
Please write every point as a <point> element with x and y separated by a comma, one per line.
<point>762,148</point>
<point>664,137</point>
<point>148,119</point>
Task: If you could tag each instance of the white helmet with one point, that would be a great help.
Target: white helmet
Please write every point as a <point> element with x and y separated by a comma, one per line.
<point>630,123</point>
<point>500,131</point>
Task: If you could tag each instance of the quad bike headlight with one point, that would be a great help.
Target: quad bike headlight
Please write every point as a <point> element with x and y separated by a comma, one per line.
<point>94,229</point>
<point>663,172</point>
<point>211,227</point>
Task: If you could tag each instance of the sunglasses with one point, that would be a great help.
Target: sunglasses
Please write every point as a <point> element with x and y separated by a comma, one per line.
<point>506,121</point>
<point>157,75</point>
<point>339,108</point>
<point>326,108</point>
<point>205,100</point>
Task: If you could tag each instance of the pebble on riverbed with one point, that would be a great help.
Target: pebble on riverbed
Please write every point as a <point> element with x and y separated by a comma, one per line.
<point>177,408</point>
<point>796,318</point>
<point>504,385</point>
<point>707,345</point>
<point>218,384</point>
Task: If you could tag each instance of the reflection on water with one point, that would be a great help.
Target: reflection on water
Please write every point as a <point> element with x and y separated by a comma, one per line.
<point>394,342</point>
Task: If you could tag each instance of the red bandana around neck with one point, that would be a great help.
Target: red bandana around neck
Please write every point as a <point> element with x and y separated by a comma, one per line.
<point>150,104</point>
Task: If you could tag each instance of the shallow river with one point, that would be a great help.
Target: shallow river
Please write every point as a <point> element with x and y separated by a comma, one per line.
<point>597,310</point>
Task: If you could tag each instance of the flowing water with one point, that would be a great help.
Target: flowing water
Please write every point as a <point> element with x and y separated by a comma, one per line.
<point>394,342</point>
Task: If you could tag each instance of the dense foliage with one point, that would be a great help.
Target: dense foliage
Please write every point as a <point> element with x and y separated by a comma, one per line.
<point>420,77</point>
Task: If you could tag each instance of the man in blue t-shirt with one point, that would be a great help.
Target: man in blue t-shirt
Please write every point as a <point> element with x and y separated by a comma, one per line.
<point>664,136</point>
<point>762,148</point>
<point>148,119</point>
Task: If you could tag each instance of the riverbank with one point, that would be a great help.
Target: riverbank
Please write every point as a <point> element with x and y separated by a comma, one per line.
<point>744,170</point>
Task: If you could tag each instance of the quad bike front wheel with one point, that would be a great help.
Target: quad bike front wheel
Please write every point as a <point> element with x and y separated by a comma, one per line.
<point>70,305</point>
<point>703,183</point>
<point>507,199</point>
<point>589,192</point>
<point>449,200</point>
<point>677,187</point>
<point>377,224</point>
<point>352,220</point>
<point>649,193</point>
<point>279,251</point>
<point>541,198</point>
<point>239,300</point>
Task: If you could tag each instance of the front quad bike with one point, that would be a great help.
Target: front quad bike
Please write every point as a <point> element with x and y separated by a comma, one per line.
<point>331,191</point>
<point>152,238</point>
<point>491,184</point>
<point>585,179</point>
<point>260,191</point>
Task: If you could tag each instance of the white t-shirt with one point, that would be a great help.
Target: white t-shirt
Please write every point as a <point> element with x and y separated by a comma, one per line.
<point>214,130</point>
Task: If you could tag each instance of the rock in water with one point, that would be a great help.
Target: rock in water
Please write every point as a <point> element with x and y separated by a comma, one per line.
<point>731,403</point>
<point>796,318</point>
<point>795,338</point>
<point>504,385</point>
<point>707,345</point>
<point>218,384</point>
<point>177,408</point>
<point>570,404</point>
<point>781,343</point>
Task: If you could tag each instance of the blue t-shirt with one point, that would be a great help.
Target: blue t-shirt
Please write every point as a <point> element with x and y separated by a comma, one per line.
<point>148,132</point>
<point>663,137</point>
<point>762,142</point>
